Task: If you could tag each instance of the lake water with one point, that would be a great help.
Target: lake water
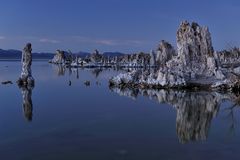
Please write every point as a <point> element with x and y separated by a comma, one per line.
<point>62,118</point>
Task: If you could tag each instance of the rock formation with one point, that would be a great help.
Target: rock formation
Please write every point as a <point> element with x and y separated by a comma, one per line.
<point>87,83</point>
<point>7,82</point>
<point>229,58</point>
<point>194,60</point>
<point>96,60</point>
<point>152,58</point>
<point>195,65</point>
<point>195,51</point>
<point>96,57</point>
<point>26,78</point>
<point>165,52</point>
<point>59,57</point>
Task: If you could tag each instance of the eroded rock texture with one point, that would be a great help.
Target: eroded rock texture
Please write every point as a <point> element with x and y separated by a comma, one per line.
<point>59,57</point>
<point>165,52</point>
<point>26,74</point>
<point>195,51</point>
<point>194,64</point>
<point>152,58</point>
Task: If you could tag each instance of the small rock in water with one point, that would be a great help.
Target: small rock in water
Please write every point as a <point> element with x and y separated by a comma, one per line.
<point>70,83</point>
<point>7,82</point>
<point>87,83</point>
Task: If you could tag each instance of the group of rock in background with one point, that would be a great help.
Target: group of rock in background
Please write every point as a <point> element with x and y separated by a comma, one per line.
<point>194,65</point>
<point>140,60</point>
<point>137,60</point>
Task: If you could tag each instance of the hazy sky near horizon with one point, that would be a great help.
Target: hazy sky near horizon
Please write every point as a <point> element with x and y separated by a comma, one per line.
<point>112,25</point>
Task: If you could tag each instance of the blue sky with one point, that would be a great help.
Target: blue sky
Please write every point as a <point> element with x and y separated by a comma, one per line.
<point>112,25</point>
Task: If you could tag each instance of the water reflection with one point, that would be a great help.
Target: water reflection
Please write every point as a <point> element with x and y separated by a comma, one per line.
<point>195,110</point>
<point>230,116</point>
<point>96,72</point>
<point>59,69</point>
<point>27,102</point>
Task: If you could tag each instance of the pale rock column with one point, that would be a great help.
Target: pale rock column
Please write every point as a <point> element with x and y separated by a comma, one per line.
<point>26,74</point>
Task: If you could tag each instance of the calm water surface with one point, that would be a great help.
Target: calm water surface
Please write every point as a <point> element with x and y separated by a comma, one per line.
<point>62,118</point>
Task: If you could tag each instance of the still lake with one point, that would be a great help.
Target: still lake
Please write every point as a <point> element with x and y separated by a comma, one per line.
<point>69,120</point>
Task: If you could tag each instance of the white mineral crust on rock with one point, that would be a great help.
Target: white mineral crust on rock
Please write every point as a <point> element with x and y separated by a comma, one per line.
<point>59,57</point>
<point>26,74</point>
<point>195,62</point>
<point>152,58</point>
<point>165,52</point>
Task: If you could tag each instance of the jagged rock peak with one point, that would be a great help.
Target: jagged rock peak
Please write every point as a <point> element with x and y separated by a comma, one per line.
<point>164,44</point>
<point>26,78</point>
<point>194,34</point>
<point>59,57</point>
<point>165,52</point>
<point>195,50</point>
<point>196,65</point>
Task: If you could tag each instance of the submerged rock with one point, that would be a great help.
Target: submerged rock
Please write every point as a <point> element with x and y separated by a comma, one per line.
<point>87,83</point>
<point>7,82</point>
<point>26,74</point>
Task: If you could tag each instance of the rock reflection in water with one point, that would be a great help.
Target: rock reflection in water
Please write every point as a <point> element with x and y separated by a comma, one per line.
<point>27,102</point>
<point>195,110</point>
<point>97,72</point>
<point>194,115</point>
<point>59,69</point>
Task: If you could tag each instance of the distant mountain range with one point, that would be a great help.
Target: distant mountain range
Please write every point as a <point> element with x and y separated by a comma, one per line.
<point>16,54</point>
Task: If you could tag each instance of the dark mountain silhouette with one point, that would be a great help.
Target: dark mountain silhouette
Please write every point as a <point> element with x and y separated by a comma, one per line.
<point>16,54</point>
